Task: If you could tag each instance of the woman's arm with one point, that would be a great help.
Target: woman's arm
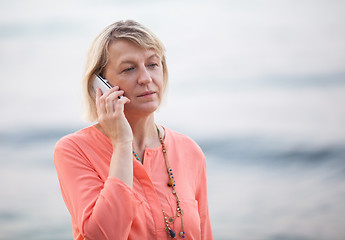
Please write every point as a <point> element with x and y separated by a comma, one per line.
<point>100,210</point>
<point>120,167</point>
<point>201,197</point>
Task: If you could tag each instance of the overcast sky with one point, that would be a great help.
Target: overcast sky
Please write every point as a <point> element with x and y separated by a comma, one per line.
<point>224,58</point>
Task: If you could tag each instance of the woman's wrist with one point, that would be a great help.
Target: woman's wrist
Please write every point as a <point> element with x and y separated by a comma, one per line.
<point>121,164</point>
<point>122,145</point>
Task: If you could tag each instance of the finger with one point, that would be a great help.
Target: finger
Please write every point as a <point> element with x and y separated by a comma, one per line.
<point>104,96</point>
<point>112,99</point>
<point>99,105</point>
<point>110,91</point>
<point>98,93</point>
<point>120,104</point>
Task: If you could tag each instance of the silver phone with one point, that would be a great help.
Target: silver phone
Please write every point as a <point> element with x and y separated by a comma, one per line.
<point>101,83</point>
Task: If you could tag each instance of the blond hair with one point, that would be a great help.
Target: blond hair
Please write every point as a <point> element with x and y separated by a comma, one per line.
<point>97,56</point>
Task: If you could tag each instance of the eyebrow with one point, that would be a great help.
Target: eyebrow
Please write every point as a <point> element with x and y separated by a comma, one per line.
<point>154,55</point>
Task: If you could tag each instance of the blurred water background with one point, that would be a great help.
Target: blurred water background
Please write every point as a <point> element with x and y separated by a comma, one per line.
<point>260,85</point>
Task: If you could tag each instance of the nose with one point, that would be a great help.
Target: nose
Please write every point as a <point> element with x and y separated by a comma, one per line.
<point>144,76</point>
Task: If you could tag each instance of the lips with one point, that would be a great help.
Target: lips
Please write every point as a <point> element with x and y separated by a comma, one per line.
<point>147,93</point>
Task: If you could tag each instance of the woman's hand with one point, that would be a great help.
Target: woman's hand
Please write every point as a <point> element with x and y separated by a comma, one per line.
<point>112,119</point>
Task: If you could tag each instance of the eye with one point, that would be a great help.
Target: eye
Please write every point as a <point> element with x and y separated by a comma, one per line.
<point>128,69</point>
<point>153,65</point>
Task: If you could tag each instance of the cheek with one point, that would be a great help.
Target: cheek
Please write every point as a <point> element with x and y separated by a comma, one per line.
<point>158,79</point>
<point>125,84</point>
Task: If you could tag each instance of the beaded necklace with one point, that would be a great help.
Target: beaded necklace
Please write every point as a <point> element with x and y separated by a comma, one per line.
<point>169,220</point>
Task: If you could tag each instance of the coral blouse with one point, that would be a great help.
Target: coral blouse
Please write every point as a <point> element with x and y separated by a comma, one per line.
<point>103,207</point>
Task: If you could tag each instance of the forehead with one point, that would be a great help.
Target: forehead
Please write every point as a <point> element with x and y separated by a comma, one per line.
<point>125,50</point>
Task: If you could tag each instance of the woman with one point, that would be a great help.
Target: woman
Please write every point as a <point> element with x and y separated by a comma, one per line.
<point>126,177</point>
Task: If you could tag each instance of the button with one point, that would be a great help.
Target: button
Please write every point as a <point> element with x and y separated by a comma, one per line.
<point>148,153</point>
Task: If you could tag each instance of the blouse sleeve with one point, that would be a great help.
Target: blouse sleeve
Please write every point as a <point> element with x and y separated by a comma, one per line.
<point>100,210</point>
<point>201,197</point>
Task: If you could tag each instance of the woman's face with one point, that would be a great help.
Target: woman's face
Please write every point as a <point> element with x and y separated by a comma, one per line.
<point>139,73</point>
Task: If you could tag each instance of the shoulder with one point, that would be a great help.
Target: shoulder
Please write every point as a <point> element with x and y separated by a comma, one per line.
<point>86,136</point>
<point>80,144</point>
<point>180,138</point>
<point>74,139</point>
<point>74,149</point>
<point>183,142</point>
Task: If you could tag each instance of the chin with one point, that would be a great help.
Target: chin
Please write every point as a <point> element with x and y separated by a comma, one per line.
<point>142,109</point>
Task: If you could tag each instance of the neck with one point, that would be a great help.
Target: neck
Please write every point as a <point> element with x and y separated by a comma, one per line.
<point>144,132</point>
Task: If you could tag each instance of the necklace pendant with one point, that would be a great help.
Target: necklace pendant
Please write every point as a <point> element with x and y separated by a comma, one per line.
<point>171,182</point>
<point>172,233</point>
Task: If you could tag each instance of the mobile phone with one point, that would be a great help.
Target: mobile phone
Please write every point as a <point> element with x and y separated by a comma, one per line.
<point>101,83</point>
